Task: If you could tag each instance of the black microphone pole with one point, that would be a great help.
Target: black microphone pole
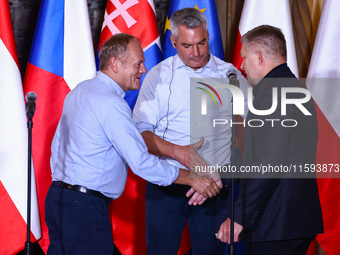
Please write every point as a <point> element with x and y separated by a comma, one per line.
<point>233,81</point>
<point>30,109</point>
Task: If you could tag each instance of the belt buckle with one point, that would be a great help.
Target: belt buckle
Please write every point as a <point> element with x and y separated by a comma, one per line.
<point>82,189</point>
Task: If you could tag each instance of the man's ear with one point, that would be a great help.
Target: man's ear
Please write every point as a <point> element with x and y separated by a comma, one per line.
<point>259,56</point>
<point>173,41</point>
<point>114,64</point>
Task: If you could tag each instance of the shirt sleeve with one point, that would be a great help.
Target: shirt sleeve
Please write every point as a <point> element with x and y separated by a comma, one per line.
<point>55,149</point>
<point>142,126</point>
<point>146,111</point>
<point>129,144</point>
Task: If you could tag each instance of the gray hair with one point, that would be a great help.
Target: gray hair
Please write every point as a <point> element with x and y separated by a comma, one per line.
<point>189,17</point>
<point>114,47</point>
<point>270,38</point>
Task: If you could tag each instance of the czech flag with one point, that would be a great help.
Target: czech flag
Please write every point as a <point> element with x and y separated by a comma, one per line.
<point>62,55</point>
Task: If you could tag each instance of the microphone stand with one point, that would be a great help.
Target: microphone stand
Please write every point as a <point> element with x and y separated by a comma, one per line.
<point>232,188</point>
<point>28,243</point>
<point>233,81</point>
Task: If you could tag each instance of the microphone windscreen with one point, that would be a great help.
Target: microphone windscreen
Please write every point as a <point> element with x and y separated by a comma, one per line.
<point>31,97</point>
<point>232,74</point>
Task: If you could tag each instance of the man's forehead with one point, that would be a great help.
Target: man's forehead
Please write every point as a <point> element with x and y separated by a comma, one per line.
<point>194,34</point>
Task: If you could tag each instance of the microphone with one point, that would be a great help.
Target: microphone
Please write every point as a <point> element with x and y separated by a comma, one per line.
<point>232,76</point>
<point>30,105</point>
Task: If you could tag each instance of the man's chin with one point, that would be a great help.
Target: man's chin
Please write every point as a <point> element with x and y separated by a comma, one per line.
<point>194,65</point>
<point>136,86</point>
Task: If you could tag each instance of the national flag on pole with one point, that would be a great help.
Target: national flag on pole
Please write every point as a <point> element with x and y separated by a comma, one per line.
<point>62,55</point>
<point>208,8</point>
<point>323,81</point>
<point>267,12</point>
<point>136,18</point>
<point>13,148</point>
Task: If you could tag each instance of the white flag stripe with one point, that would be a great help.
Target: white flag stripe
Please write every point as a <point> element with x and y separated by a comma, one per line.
<point>274,13</point>
<point>325,63</point>
<point>13,137</point>
<point>79,62</point>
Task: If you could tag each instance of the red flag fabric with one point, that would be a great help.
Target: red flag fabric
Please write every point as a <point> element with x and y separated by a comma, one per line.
<point>323,82</point>
<point>128,212</point>
<point>267,12</point>
<point>61,57</point>
<point>13,148</point>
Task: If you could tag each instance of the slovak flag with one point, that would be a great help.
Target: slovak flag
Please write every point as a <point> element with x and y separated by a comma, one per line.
<point>137,18</point>
<point>267,12</point>
<point>62,55</point>
<point>13,148</point>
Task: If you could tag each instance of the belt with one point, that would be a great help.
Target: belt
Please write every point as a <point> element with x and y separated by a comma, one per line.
<point>81,189</point>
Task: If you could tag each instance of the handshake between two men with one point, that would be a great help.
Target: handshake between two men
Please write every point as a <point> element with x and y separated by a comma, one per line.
<point>203,185</point>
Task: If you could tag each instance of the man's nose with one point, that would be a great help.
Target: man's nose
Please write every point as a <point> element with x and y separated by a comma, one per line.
<point>142,69</point>
<point>195,50</point>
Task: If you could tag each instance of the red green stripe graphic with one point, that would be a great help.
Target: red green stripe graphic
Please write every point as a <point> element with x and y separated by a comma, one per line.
<point>213,90</point>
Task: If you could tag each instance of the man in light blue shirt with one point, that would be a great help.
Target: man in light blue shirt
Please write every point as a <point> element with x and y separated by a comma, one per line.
<point>95,140</point>
<point>164,115</point>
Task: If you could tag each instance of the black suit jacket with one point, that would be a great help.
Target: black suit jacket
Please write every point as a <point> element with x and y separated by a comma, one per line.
<point>279,208</point>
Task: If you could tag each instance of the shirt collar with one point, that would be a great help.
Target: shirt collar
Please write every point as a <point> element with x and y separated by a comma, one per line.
<point>178,63</point>
<point>108,81</point>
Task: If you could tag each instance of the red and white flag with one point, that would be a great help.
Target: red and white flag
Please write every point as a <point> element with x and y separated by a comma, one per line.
<point>13,147</point>
<point>61,56</point>
<point>267,12</point>
<point>323,81</point>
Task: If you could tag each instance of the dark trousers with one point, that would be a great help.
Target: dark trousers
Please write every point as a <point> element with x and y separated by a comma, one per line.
<point>167,212</point>
<point>77,223</point>
<point>287,247</point>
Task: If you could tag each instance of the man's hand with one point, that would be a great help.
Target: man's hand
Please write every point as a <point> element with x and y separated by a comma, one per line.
<point>197,198</point>
<point>188,155</point>
<point>224,232</point>
<point>205,186</point>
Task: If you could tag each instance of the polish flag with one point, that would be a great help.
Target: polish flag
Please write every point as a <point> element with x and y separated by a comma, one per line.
<point>13,148</point>
<point>323,81</point>
<point>62,55</point>
<point>267,12</point>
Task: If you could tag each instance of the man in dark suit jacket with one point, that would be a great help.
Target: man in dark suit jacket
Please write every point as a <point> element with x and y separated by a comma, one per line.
<point>280,212</point>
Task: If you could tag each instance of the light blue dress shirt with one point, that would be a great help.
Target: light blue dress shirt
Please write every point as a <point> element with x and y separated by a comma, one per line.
<point>96,138</point>
<point>169,104</point>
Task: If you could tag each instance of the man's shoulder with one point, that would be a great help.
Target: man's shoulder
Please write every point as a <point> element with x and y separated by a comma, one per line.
<point>164,64</point>
<point>222,65</point>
